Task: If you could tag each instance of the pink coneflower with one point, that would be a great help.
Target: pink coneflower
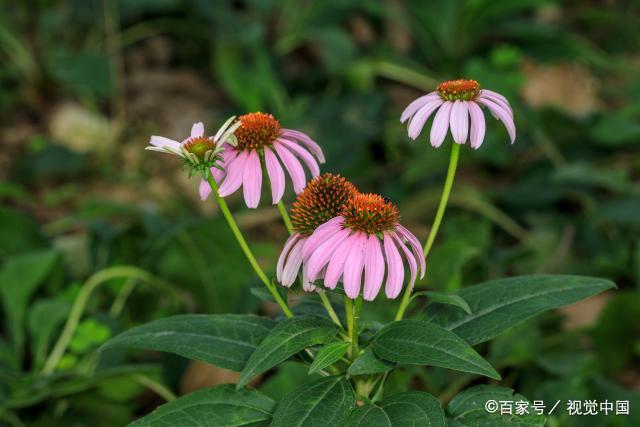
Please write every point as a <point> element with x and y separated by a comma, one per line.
<point>367,238</point>
<point>322,199</point>
<point>458,103</point>
<point>199,152</point>
<point>259,135</point>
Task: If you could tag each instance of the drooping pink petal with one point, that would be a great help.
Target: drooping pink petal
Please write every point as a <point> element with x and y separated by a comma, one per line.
<point>305,140</point>
<point>496,95</point>
<point>417,104</point>
<point>306,157</point>
<point>204,189</point>
<point>504,105</point>
<point>373,268</point>
<point>197,129</point>
<point>320,257</point>
<point>414,243</point>
<point>292,165</point>
<point>295,237</point>
<point>252,180</point>
<point>395,269</point>
<point>161,141</point>
<point>459,121</point>
<point>440,124</point>
<point>307,284</point>
<point>352,276</point>
<point>335,268</point>
<point>413,264</point>
<point>235,172</point>
<point>416,124</point>
<point>276,175</point>
<point>501,114</point>
<point>292,265</point>
<point>227,155</point>
<point>477,125</point>
<point>321,234</point>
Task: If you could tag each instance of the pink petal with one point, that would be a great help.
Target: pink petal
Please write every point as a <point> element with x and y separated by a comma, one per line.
<point>495,95</point>
<point>504,105</point>
<point>292,265</point>
<point>285,252</point>
<point>373,268</point>
<point>477,125</point>
<point>305,140</point>
<point>414,243</point>
<point>320,257</point>
<point>501,114</point>
<point>413,265</point>
<point>335,268</point>
<point>459,121</point>
<point>441,124</point>
<point>205,189</point>
<point>304,155</point>
<point>252,180</point>
<point>395,269</point>
<point>161,141</point>
<point>352,276</point>
<point>197,129</point>
<point>416,124</point>
<point>276,175</point>
<point>307,284</point>
<point>417,104</point>
<point>235,172</point>
<point>321,234</point>
<point>292,165</point>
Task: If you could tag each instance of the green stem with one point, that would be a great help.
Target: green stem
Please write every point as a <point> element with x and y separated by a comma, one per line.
<point>446,191</point>
<point>352,313</point>
<point>158,388</point>
<point>285,217</point>
<point>247,251</point>
<point>79,304</point>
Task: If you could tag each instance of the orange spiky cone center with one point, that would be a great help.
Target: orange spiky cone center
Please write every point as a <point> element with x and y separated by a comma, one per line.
<point>370,213</point>
<point>257,131</point>
<point>458,90</point>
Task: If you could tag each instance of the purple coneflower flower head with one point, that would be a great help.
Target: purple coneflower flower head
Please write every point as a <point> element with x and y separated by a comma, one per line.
<point>200,153</point>
<point>322,199</point>
<point>365,241</point>
<point>456,104</point>
<point>259,135</point>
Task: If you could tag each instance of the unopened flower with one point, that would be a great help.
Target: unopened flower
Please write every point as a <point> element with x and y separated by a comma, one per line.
<point>322,199</point>
<point>458,107</point>
<point>366,238</point>
<point>260,134</point>
<point>200,153</point>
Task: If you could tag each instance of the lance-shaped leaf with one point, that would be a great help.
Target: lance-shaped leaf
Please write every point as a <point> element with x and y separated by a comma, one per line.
<point>218,406</point>
<point>500,304</point>
<point>289,337</point>
<point>324,402</point>
<point>418,342</point>
<point>225,340</point>
<point>328,355</point>
<point>413,408</point>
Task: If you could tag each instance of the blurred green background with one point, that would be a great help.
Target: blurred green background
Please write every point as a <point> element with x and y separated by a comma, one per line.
<point>83,84</point>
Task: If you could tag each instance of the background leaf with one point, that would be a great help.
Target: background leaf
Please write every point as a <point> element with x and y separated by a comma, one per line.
<point>328,355</point>
<point>413,408</point>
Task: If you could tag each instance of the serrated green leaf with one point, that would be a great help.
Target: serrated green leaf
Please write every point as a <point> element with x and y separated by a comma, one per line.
<point>289,337</point>
<point>413,408</point>
<point>368,364</point>
<point>328,355</point>
<point>218,406</point>
<point>225,340</point>
<point>446,298</point>
<point>500,304</point>
<point>324,402</point>
<point>418,342</point>
<point>468,408</point>
<point>368,416</point>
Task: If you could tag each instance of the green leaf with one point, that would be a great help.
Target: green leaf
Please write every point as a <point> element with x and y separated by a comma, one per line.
<point>289,337</point>
<point>413,408</point>
<point>500,304</point>
<point>368,416</point>
<point>20,276</point>
<point>445,298</point>
<point>468,408</point>
<point>368,364</point>
<point>324,402</point>
<point>418,342</point>
<point>328,355</point>
<point>217,406</point>
<point>45,317</point>
<point>225,340</point>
